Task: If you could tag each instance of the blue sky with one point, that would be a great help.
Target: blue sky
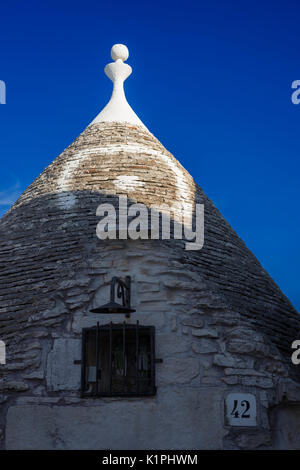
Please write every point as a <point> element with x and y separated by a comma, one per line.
<point>212,81</point>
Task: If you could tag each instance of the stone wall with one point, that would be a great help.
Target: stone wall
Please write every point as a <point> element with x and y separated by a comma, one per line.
<point>222,325</point>
<point>206,348</point>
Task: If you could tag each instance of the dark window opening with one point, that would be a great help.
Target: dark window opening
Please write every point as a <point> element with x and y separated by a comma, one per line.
<point>118,360</point>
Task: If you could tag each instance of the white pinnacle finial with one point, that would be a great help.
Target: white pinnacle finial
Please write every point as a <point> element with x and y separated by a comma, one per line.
<point>118,109</point>
<point>119,51</point>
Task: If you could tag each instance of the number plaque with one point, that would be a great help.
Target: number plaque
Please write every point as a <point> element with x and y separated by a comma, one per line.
<point>240,409</point>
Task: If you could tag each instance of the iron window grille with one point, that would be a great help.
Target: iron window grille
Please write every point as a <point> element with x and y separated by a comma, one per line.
<point>118,360</point>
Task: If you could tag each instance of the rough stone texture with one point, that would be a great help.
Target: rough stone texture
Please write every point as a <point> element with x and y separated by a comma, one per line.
<point>224,361</point>
<point>285,425</point>
<point>150,424</point>
<point>250,440</point>
<point>14,386</point>
<point>178,370</point>
<point>61,373</point>
<point>168,345</point>
<point>205,346</point>
<point>216,311</point>
<point>205,333</point>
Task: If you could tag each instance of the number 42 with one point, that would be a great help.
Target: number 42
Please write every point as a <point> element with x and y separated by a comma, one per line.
<point>237,413</point>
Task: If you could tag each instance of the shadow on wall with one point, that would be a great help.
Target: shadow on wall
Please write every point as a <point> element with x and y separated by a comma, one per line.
<point>285,427</point>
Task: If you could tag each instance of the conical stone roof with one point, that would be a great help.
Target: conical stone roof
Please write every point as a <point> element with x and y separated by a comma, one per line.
<point>114,158</point>
<point>49,236</point>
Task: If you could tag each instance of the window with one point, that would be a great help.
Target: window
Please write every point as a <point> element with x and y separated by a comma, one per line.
<point>118,360</point>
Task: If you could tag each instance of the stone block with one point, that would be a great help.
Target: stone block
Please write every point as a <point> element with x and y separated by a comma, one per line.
<point>145,286</point>
<point>213,381</point>
<point>169,344</point>
<point>205,333</point>
<point>194,321</point>
<point>62,373</point>
<point>223,360</point>
<point>233,380</point>
<point>176,370</point>
<point>173,323</point>
<point>205,346</point>
<point>36,375</point>
<point>242,371</point>
<point>251,440</point>
<point>13,386</point>
<point>249,347</point>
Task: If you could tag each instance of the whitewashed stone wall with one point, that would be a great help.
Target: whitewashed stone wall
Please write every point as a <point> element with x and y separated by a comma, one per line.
<point>222,325</point>
<point>205,350</point>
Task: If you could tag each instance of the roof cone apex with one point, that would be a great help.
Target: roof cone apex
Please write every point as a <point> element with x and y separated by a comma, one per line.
<point>118,109</point>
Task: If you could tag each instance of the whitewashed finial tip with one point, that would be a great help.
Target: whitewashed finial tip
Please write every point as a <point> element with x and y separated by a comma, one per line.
<point>119,51</point>
<point>118,109</point>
